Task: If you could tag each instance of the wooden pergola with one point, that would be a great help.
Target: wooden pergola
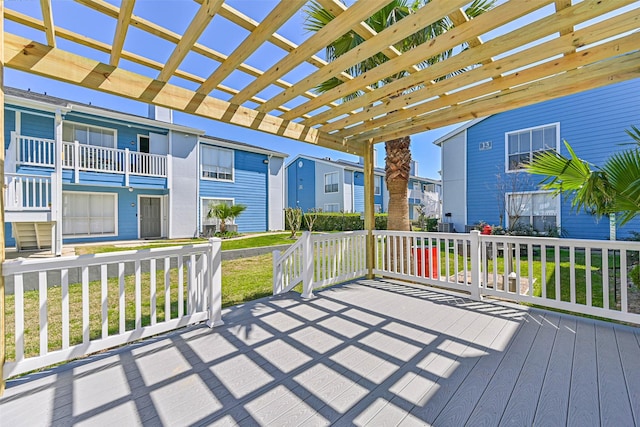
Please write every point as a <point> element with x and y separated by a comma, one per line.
<point>564,47</point>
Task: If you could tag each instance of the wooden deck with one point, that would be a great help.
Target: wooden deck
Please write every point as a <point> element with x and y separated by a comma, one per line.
<point>367,352</point>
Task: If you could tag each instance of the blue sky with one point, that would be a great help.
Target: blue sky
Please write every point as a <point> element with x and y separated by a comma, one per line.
<point>175,15</point>
<point>221,36</point>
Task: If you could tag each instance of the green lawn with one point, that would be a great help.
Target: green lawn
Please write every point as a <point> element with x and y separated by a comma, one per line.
<point>242,280</point>
<point>271,239</point>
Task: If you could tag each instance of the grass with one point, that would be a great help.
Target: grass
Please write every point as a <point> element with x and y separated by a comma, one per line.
<point>242,280</point>
<point>229,244</point>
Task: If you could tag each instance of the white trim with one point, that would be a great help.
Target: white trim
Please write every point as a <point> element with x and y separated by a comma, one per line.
<point>233,163</point>
<point>324,182</point>
<point>39,105</point>
<point>529,129</point>
<point>115,216</point>
<point>115,132</point>
<point>34,113</point>
<point>162,213</point>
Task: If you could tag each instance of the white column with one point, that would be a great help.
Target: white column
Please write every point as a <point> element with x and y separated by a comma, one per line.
<point>307,265</point>
<point>76,162</point>
<point>475,253</point>
<point>56,202</point>
<point>215,283</point>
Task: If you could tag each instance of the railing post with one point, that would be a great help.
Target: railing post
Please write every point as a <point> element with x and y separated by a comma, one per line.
<point>307,265</point>
<point>277,273</point>
<point>76,162</point>
<point>475,253</point>
<point>127,167</point>
<point>12,154</point>
<point>215,283</point>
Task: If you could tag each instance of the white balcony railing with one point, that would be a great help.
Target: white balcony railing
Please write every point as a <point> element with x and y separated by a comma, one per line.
<point>138,294</point>
<point>82,157</point>
<point>27,192</point>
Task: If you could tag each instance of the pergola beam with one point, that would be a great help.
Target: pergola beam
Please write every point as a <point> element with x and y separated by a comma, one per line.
<point>568,83</point>
<point>124,18</point>
<point>198,24</point>
<point>47,18</point>
<point>356,13</point>
<point>418,102</point>
<point>33,57</point>
<point>278,16</point>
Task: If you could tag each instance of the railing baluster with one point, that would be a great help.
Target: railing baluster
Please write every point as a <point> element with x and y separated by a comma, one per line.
<point>85,305</point>
<point>64,284</point>
<point>121,299</point>
<point>19,316</point>
<point>557,267</point>
<point>152,290</point>
<point>624,305</point>
<point>167,288</point>
<point>530,258</point>
<point>605,278</point>
<point>180,286</point>
<point>42,296</point>
<point>543,270</point>
<point>138,294</point>
<point>105,300</point>
<point>587,272</point>
<point>572,274</point>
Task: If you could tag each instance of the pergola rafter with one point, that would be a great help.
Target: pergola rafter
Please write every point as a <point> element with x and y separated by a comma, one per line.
<point>561,38</point>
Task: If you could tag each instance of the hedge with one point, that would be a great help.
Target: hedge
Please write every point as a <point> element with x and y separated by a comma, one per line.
<point>329,221</point>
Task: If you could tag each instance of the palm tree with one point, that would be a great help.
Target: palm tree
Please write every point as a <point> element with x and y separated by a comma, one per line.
<point>224,213</point>
<point>398,159</point>
<point>612,188</point>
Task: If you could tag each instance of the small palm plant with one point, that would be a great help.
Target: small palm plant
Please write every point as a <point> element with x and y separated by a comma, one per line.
<point>612,188</point>
<point>224,213</point>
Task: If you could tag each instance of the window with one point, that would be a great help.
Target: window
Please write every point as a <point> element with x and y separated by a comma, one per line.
<point>217,163</point>
<point>331,207</point>
<point>89,214</point>
<point>331,182</point>
<point>377,185</point>
<point>429,188</point>
<point>539,210</point>
<point>143,143</point>
<point>90,135</point>
<point>205,206</point>
<point>522,145</point>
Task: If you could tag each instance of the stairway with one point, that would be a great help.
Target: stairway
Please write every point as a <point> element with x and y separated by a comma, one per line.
<point>32,235</point>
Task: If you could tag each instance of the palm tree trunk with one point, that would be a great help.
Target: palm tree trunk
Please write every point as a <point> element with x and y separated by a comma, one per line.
<point>397,170</point>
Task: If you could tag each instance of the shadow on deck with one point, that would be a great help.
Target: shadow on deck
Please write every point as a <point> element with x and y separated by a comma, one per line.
<point>366,352</point>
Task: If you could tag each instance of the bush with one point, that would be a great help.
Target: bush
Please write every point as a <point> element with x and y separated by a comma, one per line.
<point>338,221</point>
<point>634,275</point>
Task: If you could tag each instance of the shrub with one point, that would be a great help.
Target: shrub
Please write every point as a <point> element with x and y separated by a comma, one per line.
<point>339,221</point>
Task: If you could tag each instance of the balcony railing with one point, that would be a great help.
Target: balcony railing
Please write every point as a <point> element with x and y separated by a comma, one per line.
<point>82,157</point>
<point>27,192</point>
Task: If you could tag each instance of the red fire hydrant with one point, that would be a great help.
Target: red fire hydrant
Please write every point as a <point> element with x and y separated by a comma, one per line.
<point>486,229</point>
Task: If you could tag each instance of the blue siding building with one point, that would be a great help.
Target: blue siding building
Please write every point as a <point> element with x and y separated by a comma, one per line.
<point>120,177</point>
<point>481,161</point>
<point>338,185</point>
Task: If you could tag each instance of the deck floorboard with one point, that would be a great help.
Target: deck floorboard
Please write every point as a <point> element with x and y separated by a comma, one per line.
<point>379,352</point>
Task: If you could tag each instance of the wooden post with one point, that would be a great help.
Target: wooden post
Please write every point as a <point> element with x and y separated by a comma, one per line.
<point>475,253</point>
<point>2,236</point>
<point>369,217</point>
<point>215,283</point>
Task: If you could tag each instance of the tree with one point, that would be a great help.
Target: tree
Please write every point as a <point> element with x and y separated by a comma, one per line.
<point>224,213</point>
<point>511,196</point>
<point>398,159</point>
<point>612,188</point>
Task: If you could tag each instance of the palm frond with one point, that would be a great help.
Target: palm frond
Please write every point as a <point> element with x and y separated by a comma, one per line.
<point>634,133</point>
<point>623,173</point>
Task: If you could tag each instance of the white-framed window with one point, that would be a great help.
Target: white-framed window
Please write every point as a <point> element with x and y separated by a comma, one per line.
<point>331,182</point>
<point>523,144</point>
<point>216,163</point>
<point>87,214</point>
<point>377,185</point>
<point>205,206</point>
<point>90,135</point>
<point>429,188</point>
<point>331,207</point>
<point>537,209</point>
<point>144,143</point>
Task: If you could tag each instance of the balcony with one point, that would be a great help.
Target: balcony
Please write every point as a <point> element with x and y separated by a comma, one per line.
<point>40,152</point>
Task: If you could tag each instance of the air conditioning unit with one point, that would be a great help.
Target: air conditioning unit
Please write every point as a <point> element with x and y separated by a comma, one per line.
<point>444,227</point>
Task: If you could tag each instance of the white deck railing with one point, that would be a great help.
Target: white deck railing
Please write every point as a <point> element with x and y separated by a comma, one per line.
<point>83,157</point>
<point>583,276</point>
<point>317,260</point>
<point>186,279</point>
<point>27,192</point>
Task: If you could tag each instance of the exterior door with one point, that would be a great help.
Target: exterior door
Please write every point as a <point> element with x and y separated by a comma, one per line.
<point>150,217</point>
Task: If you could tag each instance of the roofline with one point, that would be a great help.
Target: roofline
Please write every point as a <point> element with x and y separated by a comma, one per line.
<point>96,111</point>
<point>240,146</point>
<point>458,130</point>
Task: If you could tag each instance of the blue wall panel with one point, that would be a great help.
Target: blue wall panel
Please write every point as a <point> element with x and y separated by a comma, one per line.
<point>301,184</point>
<point>593,122</point>
<point>37,126</point>
<point>249,188</point>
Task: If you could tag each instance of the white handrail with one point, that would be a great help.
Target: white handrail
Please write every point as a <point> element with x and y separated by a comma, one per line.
<point>190,279</point>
